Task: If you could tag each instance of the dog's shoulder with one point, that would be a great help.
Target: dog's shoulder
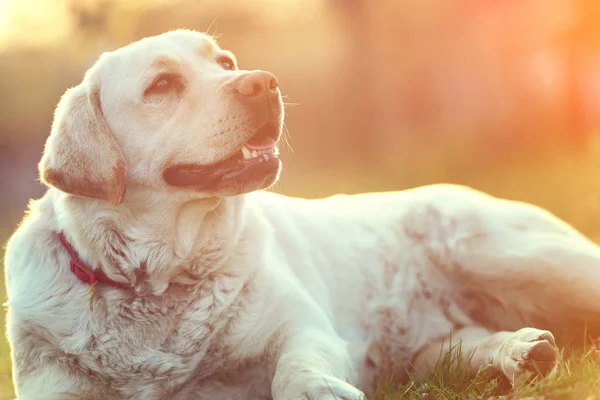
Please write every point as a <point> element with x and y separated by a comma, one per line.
<point>30,255</point>
<point>40,307</point>
<point>28,252</point>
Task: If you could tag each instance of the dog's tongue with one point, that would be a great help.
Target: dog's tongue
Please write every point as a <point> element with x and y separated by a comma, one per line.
<point>262,143</point>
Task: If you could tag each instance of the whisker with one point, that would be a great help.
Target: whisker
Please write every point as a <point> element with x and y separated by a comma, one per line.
<point>210,26</point>
<point>219,217</point>
<point>286,135</point>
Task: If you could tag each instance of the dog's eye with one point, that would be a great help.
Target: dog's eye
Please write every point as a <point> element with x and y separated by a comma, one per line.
<point>226,63</point>
<point>165,83</point>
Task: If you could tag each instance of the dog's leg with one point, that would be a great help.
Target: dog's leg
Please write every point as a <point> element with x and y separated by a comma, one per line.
<point>314,365</point>
<point>510,353</point>
<point>538,271</point>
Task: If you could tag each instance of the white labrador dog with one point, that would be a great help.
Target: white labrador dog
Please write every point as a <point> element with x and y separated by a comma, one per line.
<point>154,268</point>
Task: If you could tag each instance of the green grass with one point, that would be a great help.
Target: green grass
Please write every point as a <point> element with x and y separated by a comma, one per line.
<point>566,182</point>
<point>577,377</point>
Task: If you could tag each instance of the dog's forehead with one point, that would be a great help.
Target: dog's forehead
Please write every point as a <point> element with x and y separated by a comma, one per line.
<point>176,44</point>
<point>190,40</point>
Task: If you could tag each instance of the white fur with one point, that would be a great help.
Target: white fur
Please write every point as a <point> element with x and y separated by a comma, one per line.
<point>258,295</point>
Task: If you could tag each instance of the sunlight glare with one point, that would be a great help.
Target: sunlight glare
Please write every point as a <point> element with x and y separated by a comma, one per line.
<point>4,18</point>
<point>32,22</point>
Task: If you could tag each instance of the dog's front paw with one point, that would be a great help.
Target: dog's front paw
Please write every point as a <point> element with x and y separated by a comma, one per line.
<point>321,387</point>
<point>329,388</point>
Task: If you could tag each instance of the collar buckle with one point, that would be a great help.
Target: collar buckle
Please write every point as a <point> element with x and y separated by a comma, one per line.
<point>81,272</point>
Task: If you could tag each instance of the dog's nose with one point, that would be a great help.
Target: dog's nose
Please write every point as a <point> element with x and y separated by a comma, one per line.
<point>257,85</point>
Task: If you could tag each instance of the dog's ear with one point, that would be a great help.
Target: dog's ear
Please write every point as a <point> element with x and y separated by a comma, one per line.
<point>81,156</point>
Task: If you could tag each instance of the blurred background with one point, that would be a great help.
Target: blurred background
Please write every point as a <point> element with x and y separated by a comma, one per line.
<point>382,94</point>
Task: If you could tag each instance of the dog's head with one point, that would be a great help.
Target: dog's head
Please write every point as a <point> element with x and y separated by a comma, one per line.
<point>170,112</point>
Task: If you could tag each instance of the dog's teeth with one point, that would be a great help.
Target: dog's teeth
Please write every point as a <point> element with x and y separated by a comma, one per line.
<point>246,153</point>
<point>251,154</point>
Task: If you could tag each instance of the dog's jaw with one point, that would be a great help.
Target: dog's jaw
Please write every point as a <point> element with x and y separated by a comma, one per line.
<point>230,177</point>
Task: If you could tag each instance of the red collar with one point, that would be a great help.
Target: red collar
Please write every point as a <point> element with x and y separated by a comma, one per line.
<point>85,274</point>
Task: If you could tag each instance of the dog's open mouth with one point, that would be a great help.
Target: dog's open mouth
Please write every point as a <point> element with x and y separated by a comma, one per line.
<point>257,160</point>
<point>262,146</point>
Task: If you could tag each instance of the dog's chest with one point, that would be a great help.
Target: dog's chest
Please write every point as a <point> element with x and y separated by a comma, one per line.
<point>163,345</point>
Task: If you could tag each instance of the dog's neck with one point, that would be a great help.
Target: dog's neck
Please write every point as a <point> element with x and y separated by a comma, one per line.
<point>178,242</point>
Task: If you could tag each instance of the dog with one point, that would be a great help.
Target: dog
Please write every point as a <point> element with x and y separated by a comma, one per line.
<point>157,267</point>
